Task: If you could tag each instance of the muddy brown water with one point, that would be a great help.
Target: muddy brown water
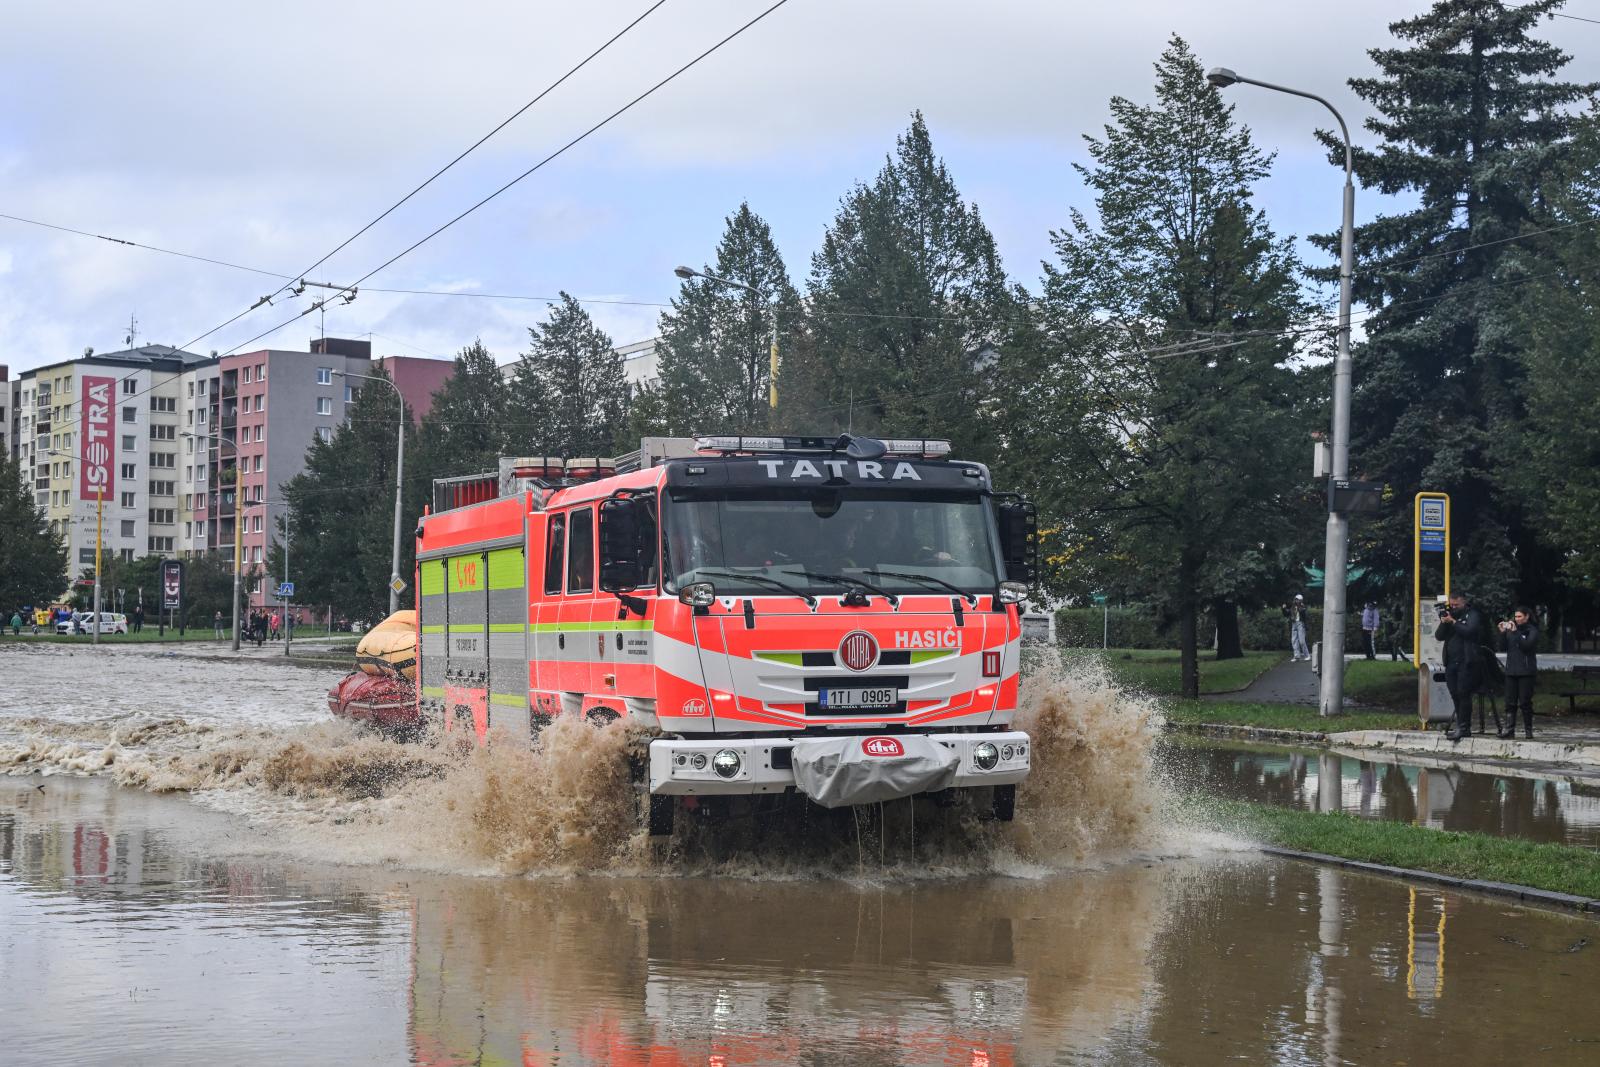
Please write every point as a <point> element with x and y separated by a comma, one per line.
<point>1538,804</point>
<point>141,929</point>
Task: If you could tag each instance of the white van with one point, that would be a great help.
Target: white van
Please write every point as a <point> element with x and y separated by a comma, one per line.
<point>83,622</point>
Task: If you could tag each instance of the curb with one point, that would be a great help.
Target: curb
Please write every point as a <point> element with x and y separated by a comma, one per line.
<point>1525,893</point>
<point>1476,747</point>
<point>1249,733</point>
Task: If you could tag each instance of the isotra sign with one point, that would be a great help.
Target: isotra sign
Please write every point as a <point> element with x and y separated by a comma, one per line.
<point>882,746</point>
<point>858,650</point>
<point>97,472</point>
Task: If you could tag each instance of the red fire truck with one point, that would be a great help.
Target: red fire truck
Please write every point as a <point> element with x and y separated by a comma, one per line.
<point>833,616</point>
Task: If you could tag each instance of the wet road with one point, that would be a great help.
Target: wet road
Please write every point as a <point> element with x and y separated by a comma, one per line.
<point>142,929</point>
<point>1539,805</point>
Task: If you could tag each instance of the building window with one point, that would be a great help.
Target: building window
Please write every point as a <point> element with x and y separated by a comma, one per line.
<point>188,502</point>
<point>127,500</point>
<point>163,516</point>
<point>129,387</point>
<point>244,376</point>
<point>324,405</point>
<point>349,394</point>
<point>163,433</point>
<point>163,488</point>
<point>164,403</point>
<point>261,372</point>
<point>127,527</point>
<point>188,530</point>
<point>164,459</point>
<point>255,555</point>
<point>191,390</point>
<point>325,434</point>
<point>130,413</point>
<point>255,524</point>
<point>258,463</point>
<point>161,544</point>
<point>129,442</point>
<point>324,375</point>
<point>129,472</point>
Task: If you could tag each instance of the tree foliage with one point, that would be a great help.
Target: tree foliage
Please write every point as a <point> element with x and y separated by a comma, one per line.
<point>571,394</point>
<point>33,559</point>
<point>1475,128</point>
<point>1160,393</point>
<point>715,343</point>
<point>908,304</point>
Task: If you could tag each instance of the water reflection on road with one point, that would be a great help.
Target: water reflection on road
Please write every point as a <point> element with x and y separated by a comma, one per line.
<point>142,929</point>
<point>1539,805</point>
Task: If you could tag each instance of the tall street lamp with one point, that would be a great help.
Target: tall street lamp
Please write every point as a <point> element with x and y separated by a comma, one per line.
<point>1337,551</point>
<point>238,522</point>
<point>395,582</point>
<point>772,357</point>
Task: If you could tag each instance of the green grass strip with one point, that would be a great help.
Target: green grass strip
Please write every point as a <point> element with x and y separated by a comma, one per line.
<point>1283,717</point>
<point>1558,868</point>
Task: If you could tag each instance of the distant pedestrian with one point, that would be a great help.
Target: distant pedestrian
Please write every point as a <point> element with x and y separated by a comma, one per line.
<point>216,623</point>
<point>137,617</point>
<point>1461,631</point>
<point>275,622</point>
<point>1295,612</point>
<point>1393,625</point>
<point>1520,636</point>
<point>16,624</point>
<point>1369,628</point>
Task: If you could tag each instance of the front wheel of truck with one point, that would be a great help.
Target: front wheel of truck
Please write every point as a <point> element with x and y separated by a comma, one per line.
<point>660,814</point>
<point>1005,802</point>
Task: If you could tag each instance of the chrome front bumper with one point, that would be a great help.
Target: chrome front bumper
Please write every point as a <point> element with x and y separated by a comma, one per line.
<point>765,767</point>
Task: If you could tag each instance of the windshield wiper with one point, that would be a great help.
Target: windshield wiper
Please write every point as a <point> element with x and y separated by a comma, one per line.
<point>928,579</point>
<point>762,579</point>
<point>848,583</point>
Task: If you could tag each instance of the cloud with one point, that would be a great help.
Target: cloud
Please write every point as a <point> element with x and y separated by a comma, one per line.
<point>266,138</point>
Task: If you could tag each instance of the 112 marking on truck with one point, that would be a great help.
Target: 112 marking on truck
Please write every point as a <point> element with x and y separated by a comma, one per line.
<point>834,617</point>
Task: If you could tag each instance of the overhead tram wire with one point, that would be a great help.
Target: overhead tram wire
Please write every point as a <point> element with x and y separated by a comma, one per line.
<point>574,142</point>
<point>613,39</point>
<point>147,248</point>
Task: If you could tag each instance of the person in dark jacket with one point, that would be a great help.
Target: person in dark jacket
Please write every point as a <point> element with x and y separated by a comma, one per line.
<point>1461,632</point>
<point>1521,639</point>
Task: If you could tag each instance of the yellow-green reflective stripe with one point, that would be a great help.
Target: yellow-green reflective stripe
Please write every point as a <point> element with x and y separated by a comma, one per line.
<point>505,568</point>
<point>506,700</point>
<point>925,656</point>
<point>436,629</point>
<point>793,659</point>
<point>466,573</point>
<point>494,628</point>
<point>554,627</point>
<point>430,577</point>
<point>433,690</point>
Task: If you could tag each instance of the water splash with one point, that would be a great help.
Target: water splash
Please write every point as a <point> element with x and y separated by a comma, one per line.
<point>568,803</point>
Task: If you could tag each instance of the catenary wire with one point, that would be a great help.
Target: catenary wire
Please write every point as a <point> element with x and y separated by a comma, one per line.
<point>613,39</point>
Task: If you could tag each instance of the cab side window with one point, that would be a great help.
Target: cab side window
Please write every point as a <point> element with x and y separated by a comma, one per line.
<point>580,556</point>
<point>552,557</point>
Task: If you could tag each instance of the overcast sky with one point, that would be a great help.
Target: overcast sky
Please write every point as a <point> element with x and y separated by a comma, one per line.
<point>266,138</point>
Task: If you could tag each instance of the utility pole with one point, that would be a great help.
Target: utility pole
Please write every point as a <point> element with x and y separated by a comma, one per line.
<point>99,525</point>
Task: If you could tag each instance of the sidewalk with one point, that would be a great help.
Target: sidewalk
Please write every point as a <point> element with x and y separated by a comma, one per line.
<point>1570,744</point>
<point>1287,683</point>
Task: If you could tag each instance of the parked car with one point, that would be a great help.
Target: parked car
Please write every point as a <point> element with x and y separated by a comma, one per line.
<point>82,622</point>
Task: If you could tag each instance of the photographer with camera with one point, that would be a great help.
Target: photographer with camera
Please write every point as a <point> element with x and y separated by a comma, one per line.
<point>1461,632</point>
<point>1520,636</point>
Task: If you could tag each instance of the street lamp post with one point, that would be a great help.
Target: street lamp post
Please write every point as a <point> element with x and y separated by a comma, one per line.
<point>395,583</point>
<point>1337,550</point>
<point>238,523</point>
<point>772,356</point>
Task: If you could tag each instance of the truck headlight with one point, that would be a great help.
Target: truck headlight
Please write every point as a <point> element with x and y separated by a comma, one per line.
<point>726,763</point>
<point>986,756</point>
<point>698,761</point>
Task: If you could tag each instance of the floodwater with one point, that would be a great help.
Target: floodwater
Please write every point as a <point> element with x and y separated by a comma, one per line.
<point>140,928</point>
<point>1535,804</point>
<point>195,867</point>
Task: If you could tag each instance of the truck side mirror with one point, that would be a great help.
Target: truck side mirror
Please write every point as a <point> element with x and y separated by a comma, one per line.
<point>621,561</point>
<point>1019,539</point>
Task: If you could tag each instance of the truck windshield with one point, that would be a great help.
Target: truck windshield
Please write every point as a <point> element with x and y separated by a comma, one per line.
<point>891,540</point>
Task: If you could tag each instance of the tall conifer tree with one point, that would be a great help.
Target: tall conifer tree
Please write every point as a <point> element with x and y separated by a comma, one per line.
<point>1473,125</point>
